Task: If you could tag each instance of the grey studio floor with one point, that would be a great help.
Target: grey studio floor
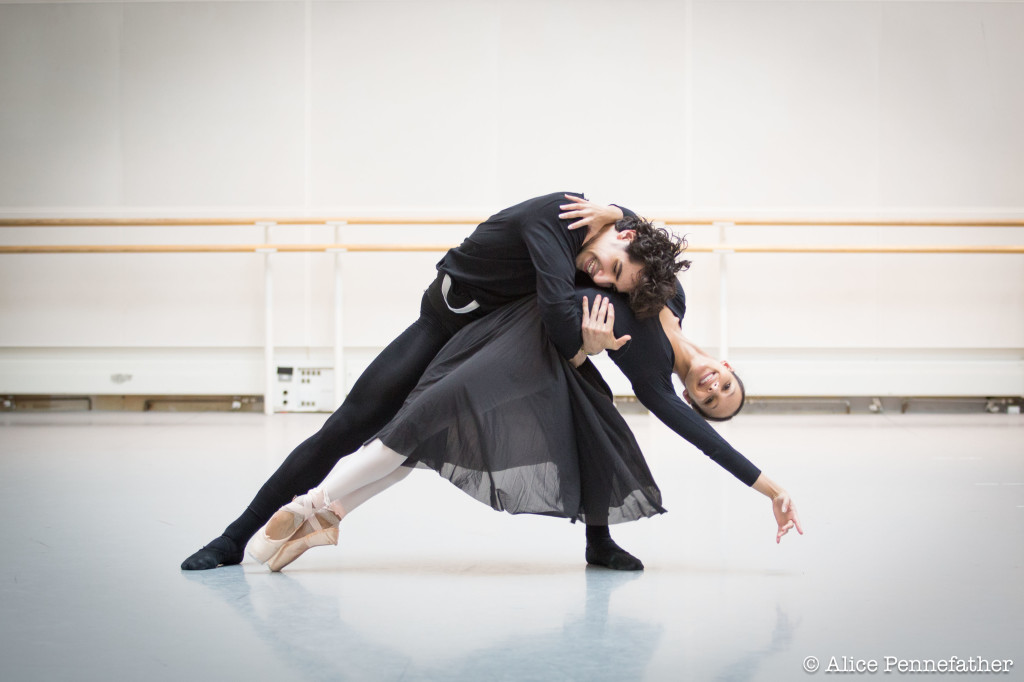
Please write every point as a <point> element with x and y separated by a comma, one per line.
<point>914,549</point>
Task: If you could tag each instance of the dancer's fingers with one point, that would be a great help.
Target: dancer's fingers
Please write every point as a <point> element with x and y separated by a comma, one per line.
<point>580,208</point>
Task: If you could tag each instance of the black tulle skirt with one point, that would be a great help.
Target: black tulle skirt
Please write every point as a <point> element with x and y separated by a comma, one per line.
<point>505,418</point>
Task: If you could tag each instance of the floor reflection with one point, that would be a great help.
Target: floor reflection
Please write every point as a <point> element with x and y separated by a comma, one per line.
<point>579,625</point>
<point>311,633</point>
<point>748,664</point>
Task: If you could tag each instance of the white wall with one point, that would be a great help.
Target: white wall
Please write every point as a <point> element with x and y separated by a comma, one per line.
<point>320,108</point>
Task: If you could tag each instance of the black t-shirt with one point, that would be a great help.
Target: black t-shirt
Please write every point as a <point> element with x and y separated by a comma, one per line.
<point>523,250</point>
<point>647,361</point>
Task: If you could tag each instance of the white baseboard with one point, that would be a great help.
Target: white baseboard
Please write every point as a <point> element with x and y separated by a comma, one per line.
<point>765,372</point>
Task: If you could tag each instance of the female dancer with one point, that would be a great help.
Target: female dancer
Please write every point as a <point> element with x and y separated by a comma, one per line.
<point>506,419</point>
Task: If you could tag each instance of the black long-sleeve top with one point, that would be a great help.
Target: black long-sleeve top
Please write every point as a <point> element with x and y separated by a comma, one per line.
<point>647,360</point>
<point>522,250</point>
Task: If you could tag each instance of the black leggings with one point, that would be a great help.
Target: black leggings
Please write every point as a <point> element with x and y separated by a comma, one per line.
<point>375,398</point>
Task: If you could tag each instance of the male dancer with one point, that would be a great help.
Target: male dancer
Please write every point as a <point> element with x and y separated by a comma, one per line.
<point>530,248</point>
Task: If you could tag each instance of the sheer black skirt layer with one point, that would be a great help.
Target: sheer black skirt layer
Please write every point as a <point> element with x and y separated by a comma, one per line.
<point>506,419</point>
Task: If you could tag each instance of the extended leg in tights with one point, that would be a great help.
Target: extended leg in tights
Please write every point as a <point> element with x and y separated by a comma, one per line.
<point>311,520</point>
<point>375,398</point>
<point>371,470</point>
<point>346,503</point>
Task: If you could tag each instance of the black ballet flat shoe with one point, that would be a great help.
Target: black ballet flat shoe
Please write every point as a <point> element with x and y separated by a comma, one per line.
<point>222,551</point>
<point>610,555</point>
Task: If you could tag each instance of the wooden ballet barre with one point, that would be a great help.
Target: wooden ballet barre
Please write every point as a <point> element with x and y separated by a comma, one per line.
<point>223,248</point>
<point>240,222</point>
<point>966,249</point>
<point>671,221</point>
<point>835,222</point>
<point>401,248</point>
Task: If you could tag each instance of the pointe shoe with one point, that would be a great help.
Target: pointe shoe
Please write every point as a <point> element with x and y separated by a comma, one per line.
<point>293,521</point>
<point>310,534</point>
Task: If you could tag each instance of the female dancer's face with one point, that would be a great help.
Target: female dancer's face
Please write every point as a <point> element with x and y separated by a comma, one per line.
<point>711,384</point>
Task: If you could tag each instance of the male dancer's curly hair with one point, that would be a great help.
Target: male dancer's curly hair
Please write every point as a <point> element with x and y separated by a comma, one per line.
<point>656,249</point>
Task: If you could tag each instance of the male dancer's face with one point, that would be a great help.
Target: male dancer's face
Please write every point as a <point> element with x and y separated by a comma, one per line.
<point>604,258</point>
<point>711,384</point>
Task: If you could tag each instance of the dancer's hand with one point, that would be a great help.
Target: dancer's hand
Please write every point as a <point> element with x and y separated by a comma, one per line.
<point>599,327</point>
<point>785,516</point>
<point>588,213</point>
<point>782,505</point>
